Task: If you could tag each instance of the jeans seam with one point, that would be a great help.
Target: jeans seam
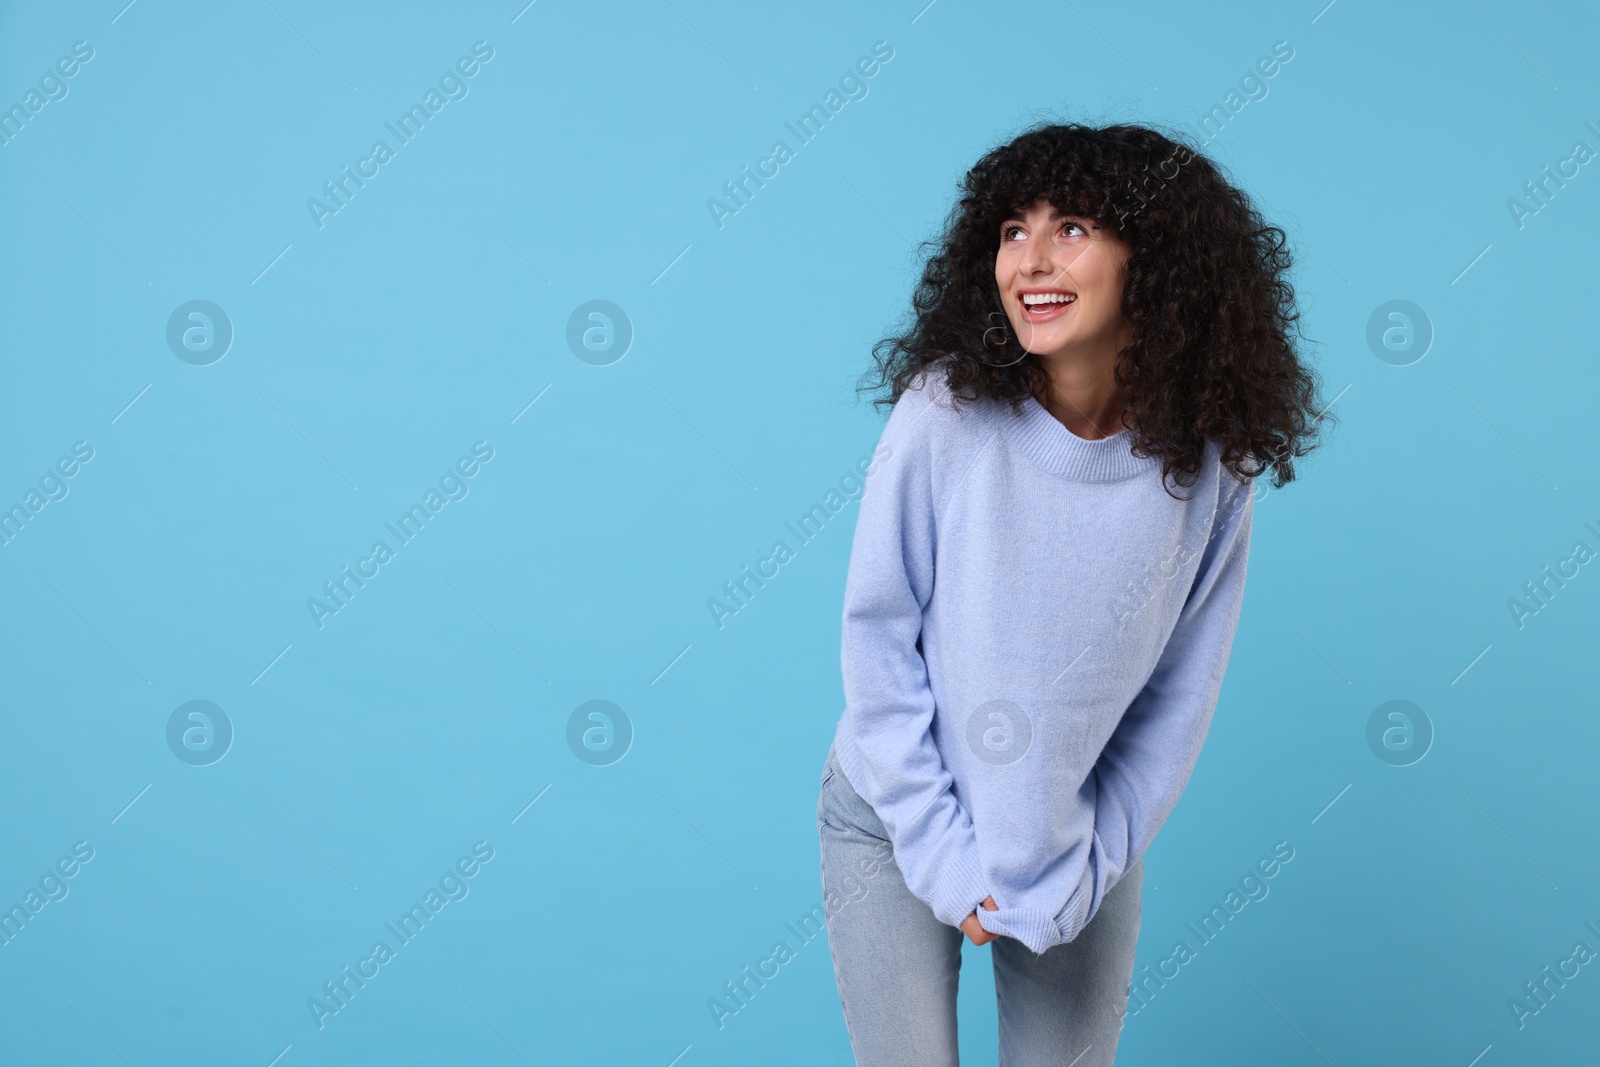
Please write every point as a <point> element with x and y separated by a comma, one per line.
<point>838,974</point>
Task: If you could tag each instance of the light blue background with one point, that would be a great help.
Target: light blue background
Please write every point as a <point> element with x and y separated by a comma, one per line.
<point>372,753</point>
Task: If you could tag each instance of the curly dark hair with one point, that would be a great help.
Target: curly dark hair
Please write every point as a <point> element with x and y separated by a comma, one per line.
<point>1212,350</point>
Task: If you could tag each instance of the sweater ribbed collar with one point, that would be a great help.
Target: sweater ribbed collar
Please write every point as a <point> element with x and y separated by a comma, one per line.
<point>1039,434</point>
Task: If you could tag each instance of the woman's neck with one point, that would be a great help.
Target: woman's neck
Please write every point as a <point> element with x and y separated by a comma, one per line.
<point>1085,401</point>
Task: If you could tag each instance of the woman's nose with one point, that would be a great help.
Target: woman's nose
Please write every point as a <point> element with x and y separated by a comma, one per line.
<point>1036,256</point>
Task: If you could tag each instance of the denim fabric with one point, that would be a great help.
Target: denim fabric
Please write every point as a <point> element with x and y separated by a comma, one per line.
<point>897,966</point>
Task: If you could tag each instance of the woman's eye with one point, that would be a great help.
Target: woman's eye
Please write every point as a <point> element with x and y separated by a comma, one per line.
<point>1007,233</point>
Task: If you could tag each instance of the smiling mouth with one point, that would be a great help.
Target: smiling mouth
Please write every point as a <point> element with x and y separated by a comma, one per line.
<point>1044,307</point>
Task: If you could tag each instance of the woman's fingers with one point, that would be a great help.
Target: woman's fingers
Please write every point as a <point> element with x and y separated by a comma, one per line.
<point>975,931</point>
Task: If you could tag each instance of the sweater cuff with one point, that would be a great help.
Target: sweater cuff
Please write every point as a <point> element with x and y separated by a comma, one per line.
<point>1034,928</point>
<point>1075,916</point>
<point>960,889</point>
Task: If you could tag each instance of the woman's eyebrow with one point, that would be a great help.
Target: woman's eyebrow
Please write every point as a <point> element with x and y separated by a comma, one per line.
<point>1055,213</point>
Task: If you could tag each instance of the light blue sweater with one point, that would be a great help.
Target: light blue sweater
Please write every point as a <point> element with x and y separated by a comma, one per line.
<point>1035,636</point>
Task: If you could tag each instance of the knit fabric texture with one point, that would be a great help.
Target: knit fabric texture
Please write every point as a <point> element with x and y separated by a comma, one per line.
<point>1034,640</point>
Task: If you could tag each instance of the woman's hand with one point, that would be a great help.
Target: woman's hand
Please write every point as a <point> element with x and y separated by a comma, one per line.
<point>973,930</point>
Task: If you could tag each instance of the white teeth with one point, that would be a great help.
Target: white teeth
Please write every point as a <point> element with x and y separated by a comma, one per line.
<point>1030,299</point>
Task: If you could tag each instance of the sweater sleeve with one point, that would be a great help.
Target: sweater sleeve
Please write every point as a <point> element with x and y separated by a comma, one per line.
<point>895,765</point>
<point>1151,754</point>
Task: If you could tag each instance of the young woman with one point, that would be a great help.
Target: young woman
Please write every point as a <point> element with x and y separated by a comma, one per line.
<point>1036,625</point>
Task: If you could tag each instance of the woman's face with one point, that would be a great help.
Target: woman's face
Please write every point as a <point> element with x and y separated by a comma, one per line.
<point>1078,268</point>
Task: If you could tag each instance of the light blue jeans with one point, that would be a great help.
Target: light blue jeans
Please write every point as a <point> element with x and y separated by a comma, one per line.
<point>897,965</point>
